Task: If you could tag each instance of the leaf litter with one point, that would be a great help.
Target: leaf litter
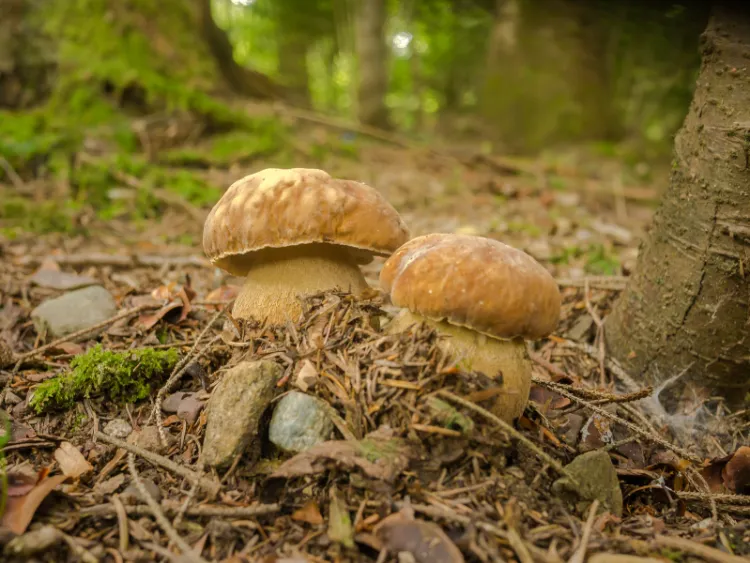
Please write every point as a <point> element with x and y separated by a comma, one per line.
<point>408,472</point>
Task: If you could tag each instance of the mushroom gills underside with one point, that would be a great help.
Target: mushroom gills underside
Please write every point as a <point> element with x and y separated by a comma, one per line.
<point>504,360</point>
<point>277,279</point>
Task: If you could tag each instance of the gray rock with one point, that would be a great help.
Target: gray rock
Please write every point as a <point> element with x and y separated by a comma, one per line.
<point>597,479</point>
<point>186,405</point>
<point>74,311</point>
<point>172,401</point>
<point>235,408</point>
<point>54,279</point>
<point>190,408</point>
<point>299,422</point>
<point>118,428</point>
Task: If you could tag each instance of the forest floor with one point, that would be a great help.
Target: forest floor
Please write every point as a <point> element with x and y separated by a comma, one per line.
<point>398,476</point>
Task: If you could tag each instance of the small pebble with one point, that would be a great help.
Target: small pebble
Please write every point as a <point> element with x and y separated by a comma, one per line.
<point>11,398</point>
<point>118,428</point>
<point>74,311</point>
<point>148,439</point>
<point>299,422</point>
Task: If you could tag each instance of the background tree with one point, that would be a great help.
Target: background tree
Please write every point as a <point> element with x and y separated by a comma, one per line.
<point>373,62</point>
<point>26,67</point>
<point>685,313</point>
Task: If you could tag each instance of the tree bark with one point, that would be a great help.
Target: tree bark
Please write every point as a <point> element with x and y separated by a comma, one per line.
<point>591,74</point>
<point>27,65</point>
<point>685,313</point>
<point>242,80</point>
<point>372,55</point>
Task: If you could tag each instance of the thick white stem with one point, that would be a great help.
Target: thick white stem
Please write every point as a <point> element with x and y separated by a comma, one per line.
<point>275,283</point>
<point>506,361</point>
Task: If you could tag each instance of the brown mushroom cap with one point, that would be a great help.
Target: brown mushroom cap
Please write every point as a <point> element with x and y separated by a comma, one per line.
<point>474,282</point>
<point>277,208</point>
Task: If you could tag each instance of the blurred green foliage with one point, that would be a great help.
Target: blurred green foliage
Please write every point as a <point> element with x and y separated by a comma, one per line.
<point>578,71</point>
<point>541,75</point>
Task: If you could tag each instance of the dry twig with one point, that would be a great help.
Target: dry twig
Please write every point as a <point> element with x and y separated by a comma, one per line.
<point>556,465</point>
<point>179,370</point>
<point>208,485</point>
<point>102,510</point>
<point>606,414</point>
<point>695,548</point>
<point>159,515</point>
<point>580,553</point>
<point>599,334</point>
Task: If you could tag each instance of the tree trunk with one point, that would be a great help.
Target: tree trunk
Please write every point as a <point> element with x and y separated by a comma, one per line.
<point>684,318</point>
<point>27,63</point>
<point>592,77</point>
<point>242,80</point>
<point>295,34</point>
<point>372,55</point>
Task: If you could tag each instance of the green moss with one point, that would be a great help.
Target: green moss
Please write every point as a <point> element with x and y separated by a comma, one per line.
<point>449,417</point>
<point>600,261</point>
<point>19,214</point>
<point>262,137</point>
<point>119,376</point>
<point>377,450</point>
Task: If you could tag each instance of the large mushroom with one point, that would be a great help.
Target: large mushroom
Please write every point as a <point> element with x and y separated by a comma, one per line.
<point>295,232</point>
<point>485,296</point>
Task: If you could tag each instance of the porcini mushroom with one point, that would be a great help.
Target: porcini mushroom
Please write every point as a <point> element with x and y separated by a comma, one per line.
<point>295,232</point>
<point>485,296</point>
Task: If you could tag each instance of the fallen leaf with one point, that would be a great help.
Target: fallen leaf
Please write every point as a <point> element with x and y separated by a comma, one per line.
<point>20,510</point>
<point>379,455</point>
<point>307,376</point>
<point>426,541</point>
<point>189,409</point>
<point>110,485</point>
<point>72,463</point>
<point>712,473</point>
<point>21,480</point>
<point>164,292</point>
<point>172,402</point>
<point>736,472</point>
<point>34,542</point>
<point>69,348</point>
<point>222,293</point>
<point>20,431</point>
<point>143,300</point>
<point>309,513</point>
<point>149,320</point>
<point>170,420</point>
<point>38,376</point>
<point>340,527</point>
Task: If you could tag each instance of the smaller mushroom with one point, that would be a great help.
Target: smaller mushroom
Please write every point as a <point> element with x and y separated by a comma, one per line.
<point>297,232</point>
<point>485,296</point>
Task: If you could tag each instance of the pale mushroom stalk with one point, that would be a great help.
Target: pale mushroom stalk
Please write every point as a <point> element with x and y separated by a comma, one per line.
<point>505,360</point>
<point>277,278</point>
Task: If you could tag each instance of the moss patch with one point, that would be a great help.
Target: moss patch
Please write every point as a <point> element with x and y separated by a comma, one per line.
<point>119,376</point>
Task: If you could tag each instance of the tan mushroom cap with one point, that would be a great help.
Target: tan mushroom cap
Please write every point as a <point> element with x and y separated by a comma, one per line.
<point>277,208</point>
<point>474,282</point>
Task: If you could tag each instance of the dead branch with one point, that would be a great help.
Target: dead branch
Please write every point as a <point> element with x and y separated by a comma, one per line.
<point>208,485</point>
